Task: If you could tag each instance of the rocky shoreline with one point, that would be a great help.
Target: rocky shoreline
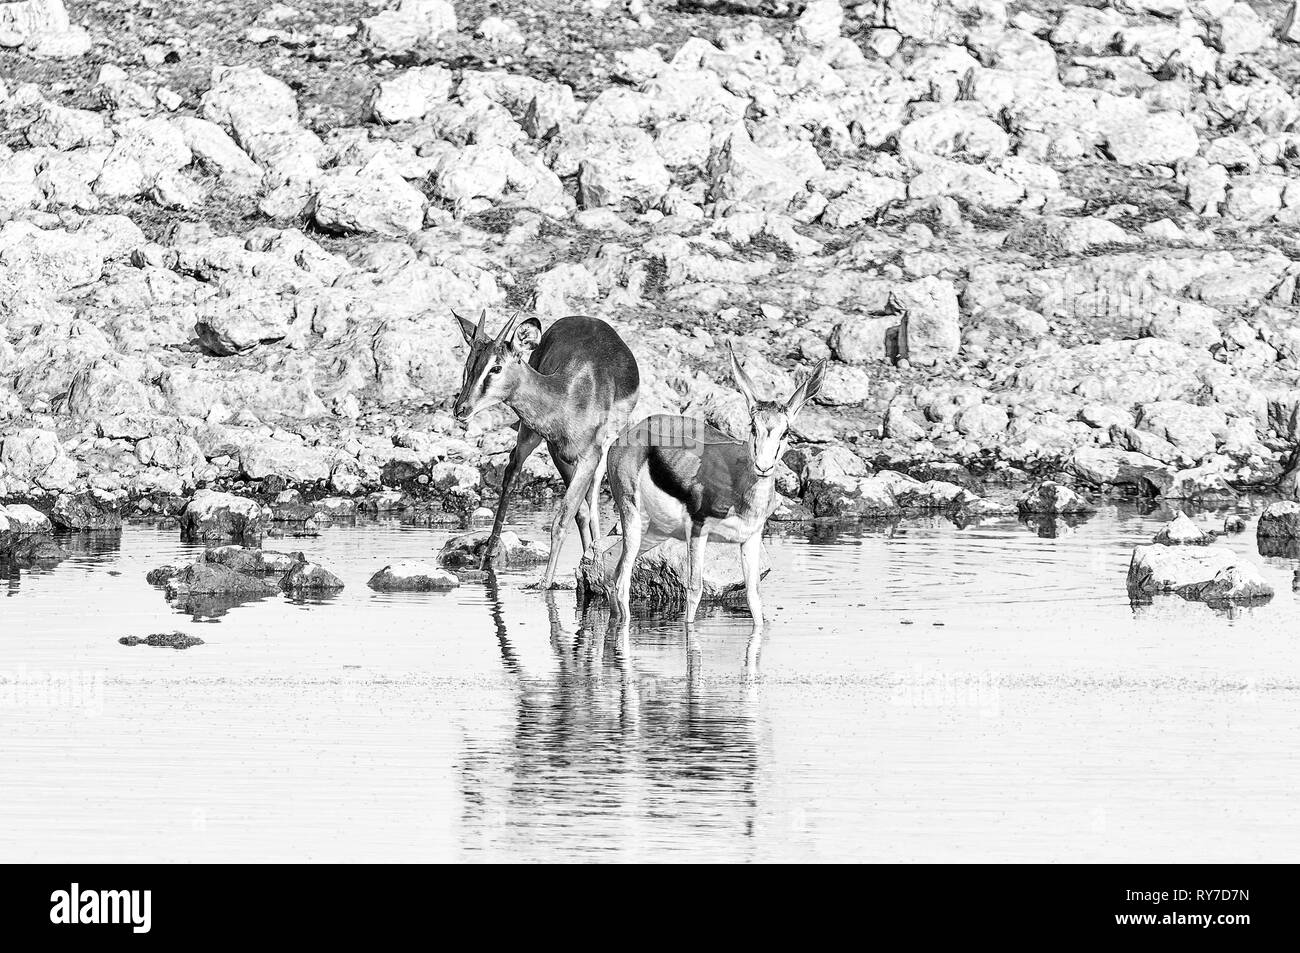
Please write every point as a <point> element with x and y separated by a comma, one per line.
<point>1037,241</point>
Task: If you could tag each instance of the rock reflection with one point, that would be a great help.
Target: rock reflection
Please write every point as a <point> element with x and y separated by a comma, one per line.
<point>1054,527</point>
<point>626,733</point>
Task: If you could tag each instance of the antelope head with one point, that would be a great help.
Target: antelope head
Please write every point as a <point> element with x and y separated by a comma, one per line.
<point>769,421</point>
<point>494,364</point>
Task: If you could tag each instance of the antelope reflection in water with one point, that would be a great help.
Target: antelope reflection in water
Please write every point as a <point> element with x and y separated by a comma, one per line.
<point>627,732</point>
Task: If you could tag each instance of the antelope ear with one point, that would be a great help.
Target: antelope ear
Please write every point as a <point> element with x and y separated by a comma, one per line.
<point>527,333</point>
<point>807,390</point>
<point>743,383</point>
<point>468,329</point>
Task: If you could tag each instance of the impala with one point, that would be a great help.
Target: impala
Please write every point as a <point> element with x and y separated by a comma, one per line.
<point>574,387</point>
<point>686,480</point>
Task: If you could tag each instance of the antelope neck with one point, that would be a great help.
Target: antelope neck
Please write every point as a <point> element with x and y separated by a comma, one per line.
<point>540,400</point>
<point>761,494</point>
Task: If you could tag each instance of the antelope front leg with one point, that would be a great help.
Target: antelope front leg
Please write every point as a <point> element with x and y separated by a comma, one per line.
<point>751,556</point>
<point>524,445</point>
<point>569,507</point>
<point>695,570</point>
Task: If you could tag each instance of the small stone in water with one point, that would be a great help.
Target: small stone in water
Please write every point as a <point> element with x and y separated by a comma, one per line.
<point>163,640</point>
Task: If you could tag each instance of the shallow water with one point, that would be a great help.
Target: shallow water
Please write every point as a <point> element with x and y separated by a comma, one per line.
<point>923,692</point>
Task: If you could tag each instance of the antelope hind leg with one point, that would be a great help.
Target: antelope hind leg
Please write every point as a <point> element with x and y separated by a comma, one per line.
<point>593,501</point>
<point>581,519</point>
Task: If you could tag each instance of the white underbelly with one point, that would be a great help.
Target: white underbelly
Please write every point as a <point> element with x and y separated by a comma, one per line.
<point>662,515</point>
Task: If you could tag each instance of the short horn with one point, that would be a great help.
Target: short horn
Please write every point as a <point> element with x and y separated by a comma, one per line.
<point>482,322</point>
<point>508,328</point>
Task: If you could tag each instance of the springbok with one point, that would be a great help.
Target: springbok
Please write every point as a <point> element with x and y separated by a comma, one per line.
<point>574,387</point>
<point>686,480</point>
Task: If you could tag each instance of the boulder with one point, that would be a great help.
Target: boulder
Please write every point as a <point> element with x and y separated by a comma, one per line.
<point>161,575</point>
<point>62,128</point>
<point>1239,29</point>
<point>413,577</point>
<point>934,495</point>
<point>144,151</point>
<point>233,325</point>
<point>212,515</point>
<point>386,501</point>
<point>37,457</point>
<point>1280,520</point>
<point>1155,568</point>
<point>855,497</point>
<point>982,421</point>
<point>1181,531</point>
<point>413,22</point>
<point>1230,585</point>
<point>250,560</point>
<point>372,199</point>
<point>930,329</point>
<point>619,165</point>
<point>162,640</point>
<point>213,579</point>
<point>210,144</point>
<point>1161,138</point>
<point>307,576</point>
<point>1052,499</point>
<point>660,574</point>
<point>955,130</point>
<point>410,94</point>
<point>845,385</point>
<point>466,551</point>
<point>292,460</point>
<point>863,340</point>
<point>742,171</point>
<point>1289,28</point>
<point>24,21</point>
<point>1206,484</point>
<point>179,452</point>
<point>79,512</point>
<point>19,522</point>
<point>262,114</point>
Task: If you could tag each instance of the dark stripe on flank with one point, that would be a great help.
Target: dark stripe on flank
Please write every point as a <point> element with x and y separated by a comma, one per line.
<point>712,477</point>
